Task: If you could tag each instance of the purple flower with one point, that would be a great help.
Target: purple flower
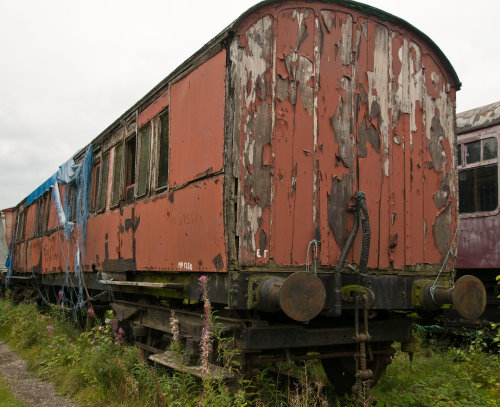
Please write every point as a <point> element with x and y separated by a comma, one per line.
<point>203,278</point>
<point>50,328</point>
<point>120,331</point>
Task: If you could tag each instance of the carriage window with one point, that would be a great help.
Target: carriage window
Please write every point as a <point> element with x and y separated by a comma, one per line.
<point>489,148</point>
<point>96,174</point>
<point>71,202</point>
<point>117,175</point>
<point>478,178</point>
<point>142,179</point>
<point>47,210</point>
<point>130,168</point>
<point>36,229</point>
<point>21,218</point>
<point>163,151</point>
<point>101,201</point>
<point>473,152</point>
<point>40,223</point>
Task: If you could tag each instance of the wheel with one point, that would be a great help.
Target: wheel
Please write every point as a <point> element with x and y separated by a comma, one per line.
<point>341,371</point>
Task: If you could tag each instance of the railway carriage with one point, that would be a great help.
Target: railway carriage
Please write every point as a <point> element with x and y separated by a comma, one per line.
<point>303,160</point>
<point>478,247</point>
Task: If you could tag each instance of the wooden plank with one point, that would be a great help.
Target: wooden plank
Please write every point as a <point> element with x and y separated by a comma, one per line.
<point>172,361</point>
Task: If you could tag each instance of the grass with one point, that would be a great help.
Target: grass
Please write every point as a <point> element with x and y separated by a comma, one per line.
<point>7,399</point>
<point>95,368</point>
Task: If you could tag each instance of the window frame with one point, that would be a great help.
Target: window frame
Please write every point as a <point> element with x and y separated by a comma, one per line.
<point>95,186</point>
<point>129,168</point>
<point>116,190</point>
<point>147,128</point>
<point>462,141</point>
<point>102,196</point>
<point>161,188</point>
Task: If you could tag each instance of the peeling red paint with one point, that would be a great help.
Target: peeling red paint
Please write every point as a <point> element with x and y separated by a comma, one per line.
<point>359,121</point>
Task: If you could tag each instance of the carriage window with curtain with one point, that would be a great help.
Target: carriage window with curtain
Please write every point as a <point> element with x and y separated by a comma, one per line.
<point>478,176</point>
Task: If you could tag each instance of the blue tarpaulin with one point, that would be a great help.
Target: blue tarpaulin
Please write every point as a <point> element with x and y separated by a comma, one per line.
<point>66,174</point>
<point>37,193</point>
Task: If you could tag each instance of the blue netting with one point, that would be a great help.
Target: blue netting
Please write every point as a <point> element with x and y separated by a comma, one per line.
<point>77,178</point>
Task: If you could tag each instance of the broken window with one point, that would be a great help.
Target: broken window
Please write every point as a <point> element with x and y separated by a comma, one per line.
<point>143,165</point>
<point>130,168</point>
<point>163,151</point>
<point>478,176</point>
<point>117,175</point>
<point>101,201</point>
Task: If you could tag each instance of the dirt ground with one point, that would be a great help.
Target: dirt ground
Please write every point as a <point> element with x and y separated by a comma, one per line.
<point>29,390</point>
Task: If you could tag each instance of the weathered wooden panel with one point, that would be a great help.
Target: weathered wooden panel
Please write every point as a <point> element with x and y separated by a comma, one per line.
<point>30,221</point>
<point>336,143</point>
<point>252,59</point>
<point>34,255</point>
<point>52,254</point>
<point>19,256</point>
<point>102,246</point>
<point>197,122</point>
<point>182,230</point>
<point>358,104</point>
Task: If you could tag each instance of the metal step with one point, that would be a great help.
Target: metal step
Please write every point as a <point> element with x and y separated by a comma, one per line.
<point>174,362</point>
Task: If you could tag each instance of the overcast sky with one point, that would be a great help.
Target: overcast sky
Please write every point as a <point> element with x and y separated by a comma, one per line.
<point>69,68</point>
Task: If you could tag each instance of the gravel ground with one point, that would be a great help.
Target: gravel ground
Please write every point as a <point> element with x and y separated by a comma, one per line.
<point>29,390</point>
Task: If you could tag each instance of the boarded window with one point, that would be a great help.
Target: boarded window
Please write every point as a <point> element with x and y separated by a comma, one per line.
<point>163,151</point>
<point>478,177</point>
<point>117,175</point>
<point>101,202</point>
<point>142,179</point>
